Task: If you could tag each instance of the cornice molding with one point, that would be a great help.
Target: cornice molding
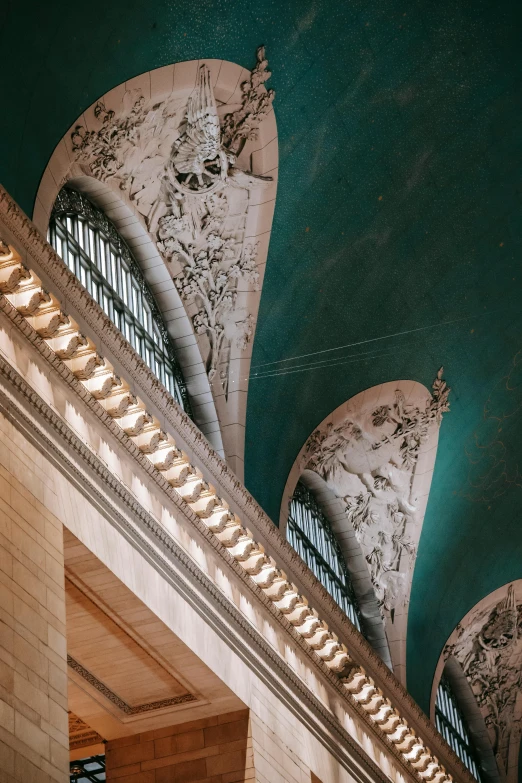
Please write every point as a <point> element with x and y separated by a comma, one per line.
<point>120,703</point>
<point>67,287</point>
<point>160,550</point>
<point>80,734</point>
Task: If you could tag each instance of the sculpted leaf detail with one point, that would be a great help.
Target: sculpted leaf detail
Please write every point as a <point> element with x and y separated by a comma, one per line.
<point>211,264</point>
<point>178,165</point>
<point>369,461</point>
<point>243,123</point>
<point>488,645</point>
<point>105,149</point>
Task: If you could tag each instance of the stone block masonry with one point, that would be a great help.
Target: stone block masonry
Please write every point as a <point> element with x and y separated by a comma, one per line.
<point>211,750</point>
<point>34,743</point>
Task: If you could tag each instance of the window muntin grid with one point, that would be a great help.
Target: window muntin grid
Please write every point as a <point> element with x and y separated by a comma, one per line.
<point>310,534</point>
<point>451,724</point>
<point>93,250</point>
<point>93,770</point>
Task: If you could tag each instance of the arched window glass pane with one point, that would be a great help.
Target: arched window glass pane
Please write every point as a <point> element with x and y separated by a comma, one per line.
<point>94,251</point>
<point>310,534</point>
<point>452,725</point>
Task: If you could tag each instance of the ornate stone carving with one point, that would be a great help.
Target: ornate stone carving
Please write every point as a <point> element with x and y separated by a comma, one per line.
<point>243,124</point>
<point>177,163</point>
<point>119,702</point>
<point>369,461</point>
<point>211,260</point>
<point>203,157</point>
<point>488,645</point>
<point>80,734</point>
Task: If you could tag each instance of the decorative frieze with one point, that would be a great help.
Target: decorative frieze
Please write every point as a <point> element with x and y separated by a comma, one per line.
<point>369,460</point>
<point>120,703</point>
<point>177,162</point>
<point>80,734</point>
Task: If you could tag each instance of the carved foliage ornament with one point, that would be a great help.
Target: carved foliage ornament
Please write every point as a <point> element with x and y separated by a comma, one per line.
<point>489,649</point>
<point>369,461</point>
<point>177,163</point>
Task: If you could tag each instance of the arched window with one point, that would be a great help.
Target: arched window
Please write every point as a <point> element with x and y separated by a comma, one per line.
<point>310,534</point>
<point>452,725</point>
<point>92,248</point>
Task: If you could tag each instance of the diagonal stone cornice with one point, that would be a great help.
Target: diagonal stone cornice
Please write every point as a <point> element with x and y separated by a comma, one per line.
<point>90,475</point>
<point>233,517</point>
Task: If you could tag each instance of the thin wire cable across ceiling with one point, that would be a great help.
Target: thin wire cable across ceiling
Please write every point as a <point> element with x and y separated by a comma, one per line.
<point>270,370</point>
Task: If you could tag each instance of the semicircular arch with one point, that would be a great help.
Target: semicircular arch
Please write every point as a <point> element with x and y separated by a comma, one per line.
<point>174,315</point>
<point>452,670</point>
<point>486,648</point>
<point>376,453</point>
<point>212,242</point>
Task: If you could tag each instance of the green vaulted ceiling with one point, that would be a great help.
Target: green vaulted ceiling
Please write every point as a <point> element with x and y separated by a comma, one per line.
<point>397,231</point>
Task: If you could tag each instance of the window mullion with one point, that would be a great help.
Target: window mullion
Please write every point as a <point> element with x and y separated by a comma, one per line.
<point>90,247</point>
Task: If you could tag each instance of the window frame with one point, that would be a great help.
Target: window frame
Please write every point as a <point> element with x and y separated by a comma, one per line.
<point>452,725</point>
<point>322,554</point>
<point>90,775</point>
<point>78,230</point>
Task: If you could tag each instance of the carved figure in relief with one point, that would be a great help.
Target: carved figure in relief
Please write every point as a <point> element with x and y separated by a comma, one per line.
<point>177,164</point>
<point>489,649</point>
<point>198,160</point>
<point>369,461</point>
<point>212,263</point>
<point>202,160</point>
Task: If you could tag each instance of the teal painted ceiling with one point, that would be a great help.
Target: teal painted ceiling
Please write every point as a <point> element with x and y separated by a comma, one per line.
<point>397,232</point>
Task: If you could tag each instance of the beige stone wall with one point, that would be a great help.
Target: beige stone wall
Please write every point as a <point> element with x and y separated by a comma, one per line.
<point>284,750</point>
<point>33,677</point>
<point>211,750</point>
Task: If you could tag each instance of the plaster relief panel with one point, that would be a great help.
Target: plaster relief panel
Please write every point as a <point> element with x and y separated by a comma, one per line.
<point>487,643</point>
<point>376,453</point>
<point>191,149</point>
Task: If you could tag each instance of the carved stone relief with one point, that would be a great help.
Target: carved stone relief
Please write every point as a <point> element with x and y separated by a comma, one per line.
<point>369,460</point>
<point>376,454</point>
<point>183,160</point>
<point>488,645</point>
<point>177,162</point>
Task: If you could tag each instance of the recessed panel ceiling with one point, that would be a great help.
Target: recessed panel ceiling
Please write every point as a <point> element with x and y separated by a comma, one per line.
<point>101,646</point>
